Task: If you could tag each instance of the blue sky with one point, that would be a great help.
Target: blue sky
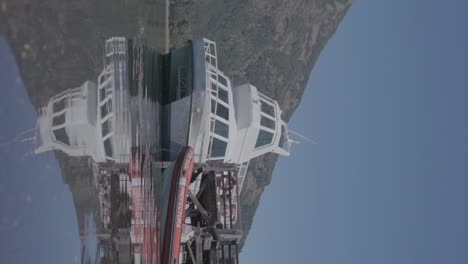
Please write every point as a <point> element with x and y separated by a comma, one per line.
<point>387,100</point>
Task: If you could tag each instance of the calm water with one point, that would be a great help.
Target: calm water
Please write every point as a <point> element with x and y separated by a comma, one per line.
<point>70,201</point>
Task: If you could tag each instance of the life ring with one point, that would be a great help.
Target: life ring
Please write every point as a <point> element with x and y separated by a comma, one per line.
<point>226,186</point>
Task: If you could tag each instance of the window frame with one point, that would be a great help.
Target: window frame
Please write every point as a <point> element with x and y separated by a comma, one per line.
<point>266,144</point>
<point>66,133</point>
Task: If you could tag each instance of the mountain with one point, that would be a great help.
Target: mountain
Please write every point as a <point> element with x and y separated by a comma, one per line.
<point>272,44</point>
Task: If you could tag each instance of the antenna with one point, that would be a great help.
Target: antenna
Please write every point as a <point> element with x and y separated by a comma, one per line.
<point>19,138</point>
<point>303,137</point>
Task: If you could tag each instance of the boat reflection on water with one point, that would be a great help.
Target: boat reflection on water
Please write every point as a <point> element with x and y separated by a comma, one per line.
<point>91,252</point>
<point>109,131</point>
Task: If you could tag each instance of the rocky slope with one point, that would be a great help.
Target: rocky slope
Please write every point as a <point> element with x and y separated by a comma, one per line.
<point>272,44</point>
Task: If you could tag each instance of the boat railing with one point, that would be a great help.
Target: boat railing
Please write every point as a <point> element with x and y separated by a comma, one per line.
<point>210,52</point>
<point>216,81</point>
<point>241,174</point>
<point>115,45</point>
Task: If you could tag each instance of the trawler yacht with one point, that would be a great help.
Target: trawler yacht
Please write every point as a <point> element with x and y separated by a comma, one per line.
<point>231,125</point>
<point>224,124</point>
<point>227,125</point>
<point>101,120</point>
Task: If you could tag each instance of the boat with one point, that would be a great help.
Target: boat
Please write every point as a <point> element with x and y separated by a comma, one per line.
<point>227,127</point>
<point>201,108</point>
<point>100,118</point>
<point>209,126</point>
<point>226,124</point>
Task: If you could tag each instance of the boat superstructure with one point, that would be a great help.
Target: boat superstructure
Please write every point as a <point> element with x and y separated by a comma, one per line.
<point>101,119</point>
<point>68,123</point>
<point>113,111</point>
<point>92,120</point>
<point>231,125</point>
<point>224,124</point>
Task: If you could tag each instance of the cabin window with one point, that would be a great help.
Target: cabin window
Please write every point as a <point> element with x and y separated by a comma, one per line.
<point>267,122</point>
<point>106,127</point>
<point>264,138</point>
<point>213,106</point>
<point>102,94</point>
<point>222,80</point>
<point>108,147</point>
<point>60,105</point>
<point>268,109</point>
<point>223,95</point>
<point>221,129</point>
<point>214,87</point>
<point>210,59</point>
<point>106,108</point>
<point>58,120</point>
<point>218,148</point>
<point>61,136</point>
<point>222,111</point>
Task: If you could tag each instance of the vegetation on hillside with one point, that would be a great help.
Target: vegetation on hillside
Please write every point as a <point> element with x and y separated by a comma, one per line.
<point>272,44</point>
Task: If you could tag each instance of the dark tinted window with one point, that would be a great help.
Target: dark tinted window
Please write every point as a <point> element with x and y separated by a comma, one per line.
<point>102,94</point>
<point>106,108</point>
<point>267,122</point>
<point>222,80</point>
<point>106,127</point>
<point>61,136</point>
<point>60,105</point>
<point>219,148</point>
<point>222,129</point>
<point>58,120</point>
<point>268,109</point>
<point>222,111</point>
<point>223,95</point>
<point>264,138</point>
<point>108,147</point>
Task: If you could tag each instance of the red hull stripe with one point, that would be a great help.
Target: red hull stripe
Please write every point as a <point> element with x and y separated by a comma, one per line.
<point>181,177</point>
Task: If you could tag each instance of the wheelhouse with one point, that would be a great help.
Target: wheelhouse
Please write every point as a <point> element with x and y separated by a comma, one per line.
<point>238,123</point>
